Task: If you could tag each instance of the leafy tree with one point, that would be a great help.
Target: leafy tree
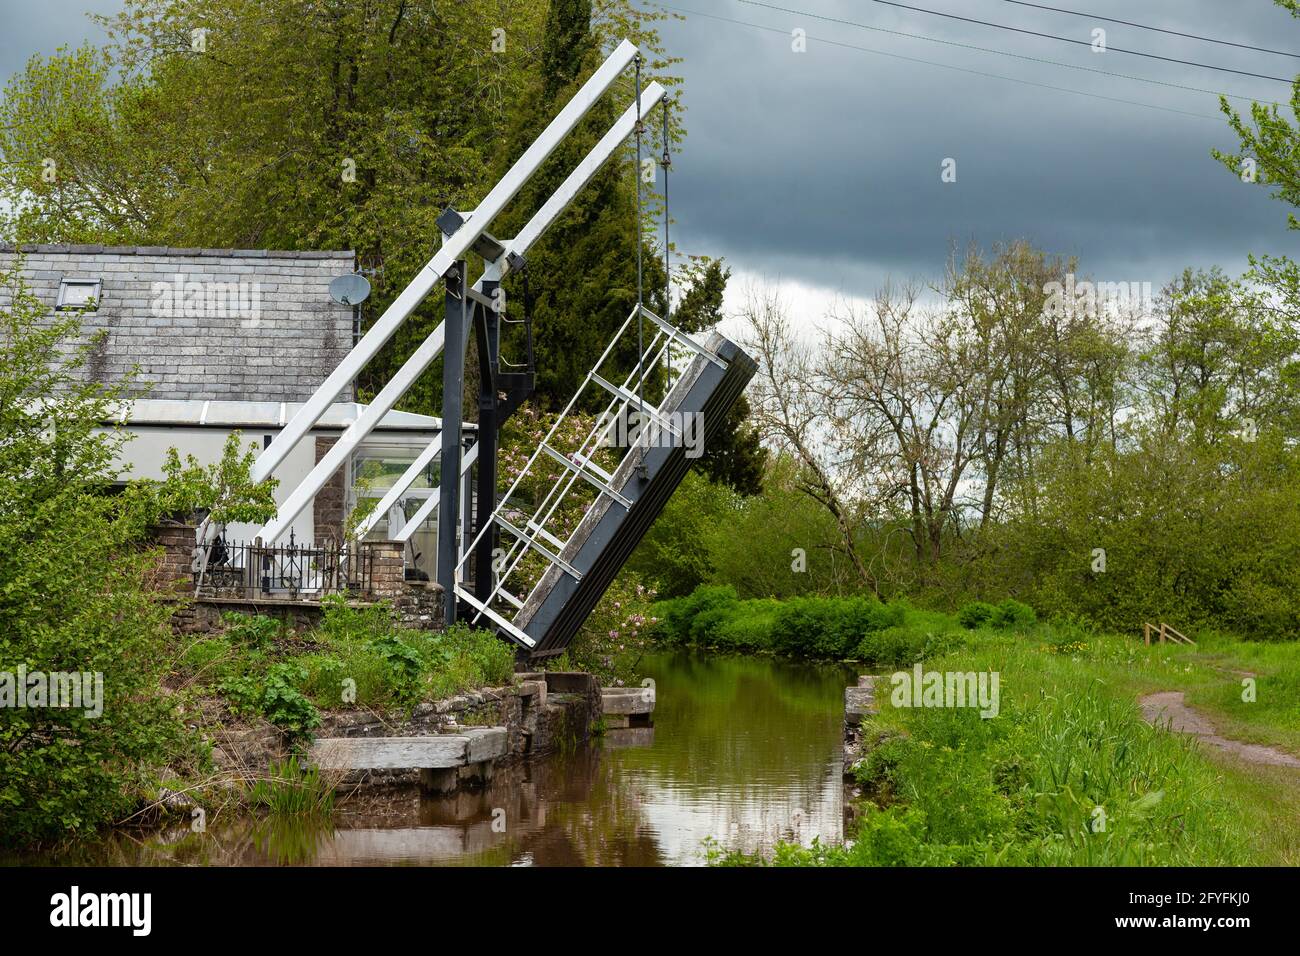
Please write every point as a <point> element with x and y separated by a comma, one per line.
<point>77,577</point>
<point>304,124</point>
<point>74,591</point>
<point>676,553</point>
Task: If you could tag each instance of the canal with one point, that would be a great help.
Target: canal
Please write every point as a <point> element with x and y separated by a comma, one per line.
<point>744,751</point>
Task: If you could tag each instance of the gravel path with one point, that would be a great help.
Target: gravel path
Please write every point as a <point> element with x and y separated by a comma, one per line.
<point>1168,709</point>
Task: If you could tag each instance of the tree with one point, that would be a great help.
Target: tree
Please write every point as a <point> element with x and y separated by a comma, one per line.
<point>75,592</point>
<point>222,492</point>
<point>791,414</point>
<point>308,124</point>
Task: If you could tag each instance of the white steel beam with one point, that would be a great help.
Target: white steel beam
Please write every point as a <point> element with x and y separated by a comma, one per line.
<point>431,503</point>
<point>453,249</point>
<point>394,494</point>
<point>423,356</point>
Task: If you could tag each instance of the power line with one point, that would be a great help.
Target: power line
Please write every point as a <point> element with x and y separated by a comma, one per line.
<point>945,66</point>
<point>1068,66</point>
<point>1036,33</point>
<point>1140,26</point>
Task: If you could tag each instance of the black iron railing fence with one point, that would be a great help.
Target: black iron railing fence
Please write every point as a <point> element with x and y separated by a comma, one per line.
<point>249,569</point>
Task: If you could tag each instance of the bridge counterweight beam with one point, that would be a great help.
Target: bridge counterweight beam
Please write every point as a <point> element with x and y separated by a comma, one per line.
<point>453,390</point>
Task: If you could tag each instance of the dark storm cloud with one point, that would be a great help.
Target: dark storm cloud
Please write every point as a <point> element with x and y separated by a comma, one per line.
<point>42,26</point>
<point>824,167</point>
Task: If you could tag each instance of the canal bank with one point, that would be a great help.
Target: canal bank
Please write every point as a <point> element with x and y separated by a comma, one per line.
<point>744,751</point>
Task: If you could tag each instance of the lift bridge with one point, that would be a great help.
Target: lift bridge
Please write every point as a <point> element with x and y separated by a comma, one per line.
<point>522,564</point>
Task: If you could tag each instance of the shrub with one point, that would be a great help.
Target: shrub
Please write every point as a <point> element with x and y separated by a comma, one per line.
<point>817,627</point>
<point>250,630</point>
<point>862,615</point>
<point>1013,614</point>
<point>676,616</point>
<point>750,628</point>
<point>1006,614</point>
<point>892,647</point>
<point>830,628</point>
<point>705,625</point>
<point>809,627</point>
<point>976,614</point>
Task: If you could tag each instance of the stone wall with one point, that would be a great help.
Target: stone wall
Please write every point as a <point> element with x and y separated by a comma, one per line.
<point>543,713</point>
<point>173,574</point>
<point>206,324</point>
<point>329,508</point>
<point>860,737</point>
<point>418,604</point>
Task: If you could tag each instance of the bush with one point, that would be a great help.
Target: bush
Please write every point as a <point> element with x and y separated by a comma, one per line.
<point>750,628</point>
<point>817,627</point>
<point>1014,615</point>
<point>1006,614</point>
<point>830,628</point>
<point>810,627</point>
<point>976,614</point>
<point>892,647</point>
<point>677,615</point>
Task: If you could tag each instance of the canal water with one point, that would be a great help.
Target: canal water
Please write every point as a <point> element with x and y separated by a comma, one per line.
<point>744,752</point>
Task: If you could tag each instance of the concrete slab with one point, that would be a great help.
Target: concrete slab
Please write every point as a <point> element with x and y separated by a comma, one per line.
<point>627,700</point>
<point>408,753</point>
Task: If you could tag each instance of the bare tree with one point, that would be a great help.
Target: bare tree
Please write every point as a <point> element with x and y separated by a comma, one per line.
<point>791,412</point>
<point>903,379</point>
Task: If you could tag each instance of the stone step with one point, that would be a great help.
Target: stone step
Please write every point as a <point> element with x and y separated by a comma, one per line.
<point>434,752</point>
<point>860,701</point>
<point>627,700</point>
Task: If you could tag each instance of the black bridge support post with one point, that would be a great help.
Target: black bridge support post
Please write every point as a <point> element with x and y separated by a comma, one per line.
<point>488,340</point>
<point>453,391</point>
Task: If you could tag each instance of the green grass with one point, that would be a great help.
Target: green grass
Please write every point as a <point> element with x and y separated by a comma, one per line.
<point>945,787</point>
<point>293,790</point>
<point>357,657</point>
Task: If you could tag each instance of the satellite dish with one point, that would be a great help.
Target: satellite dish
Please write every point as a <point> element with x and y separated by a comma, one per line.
<point>350,289</point>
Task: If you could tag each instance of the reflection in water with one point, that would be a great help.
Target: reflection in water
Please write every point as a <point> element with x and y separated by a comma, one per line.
<point>743,750</point>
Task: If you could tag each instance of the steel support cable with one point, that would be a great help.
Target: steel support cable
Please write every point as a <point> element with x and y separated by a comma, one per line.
<point>1023,30</point>
<point>1142,26</point>
<point>667,162</point>
<point>640,318</point>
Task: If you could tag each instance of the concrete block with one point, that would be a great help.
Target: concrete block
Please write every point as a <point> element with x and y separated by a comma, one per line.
<point>627,700</point>
<point>570,682</point>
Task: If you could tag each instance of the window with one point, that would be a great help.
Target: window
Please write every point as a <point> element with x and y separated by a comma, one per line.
<point>75,294</point>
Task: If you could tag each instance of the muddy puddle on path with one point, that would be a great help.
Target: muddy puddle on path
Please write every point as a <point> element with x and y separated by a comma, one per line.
<point>744,750</point>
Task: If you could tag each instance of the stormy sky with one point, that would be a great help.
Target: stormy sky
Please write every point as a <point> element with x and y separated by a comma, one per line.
<point>821,170</point>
